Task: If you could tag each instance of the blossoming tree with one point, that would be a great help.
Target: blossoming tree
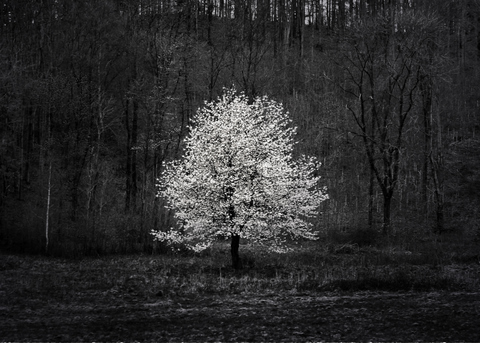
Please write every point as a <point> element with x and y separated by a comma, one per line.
<point>238,179</point>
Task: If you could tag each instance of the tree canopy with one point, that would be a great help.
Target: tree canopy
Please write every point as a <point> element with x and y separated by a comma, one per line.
<point>238,177</point>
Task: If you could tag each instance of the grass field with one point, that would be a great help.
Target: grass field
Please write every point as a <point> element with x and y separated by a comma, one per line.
<point>200,297</point>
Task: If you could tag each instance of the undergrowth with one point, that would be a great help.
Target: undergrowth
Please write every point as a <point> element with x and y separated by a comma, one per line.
<point>312,268</point>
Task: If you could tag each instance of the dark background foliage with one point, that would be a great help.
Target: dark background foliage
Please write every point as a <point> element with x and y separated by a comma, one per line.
<point>95,95</point>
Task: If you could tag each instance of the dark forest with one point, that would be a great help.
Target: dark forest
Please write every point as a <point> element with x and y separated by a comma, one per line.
<point>96,95</point>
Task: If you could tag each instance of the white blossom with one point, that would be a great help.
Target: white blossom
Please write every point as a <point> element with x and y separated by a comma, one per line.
<point>238,177</point>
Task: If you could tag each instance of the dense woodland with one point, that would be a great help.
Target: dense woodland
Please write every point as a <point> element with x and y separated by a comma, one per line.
<point>96,95</point>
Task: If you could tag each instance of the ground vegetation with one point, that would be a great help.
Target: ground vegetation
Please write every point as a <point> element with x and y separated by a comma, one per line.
<point>343,293</point>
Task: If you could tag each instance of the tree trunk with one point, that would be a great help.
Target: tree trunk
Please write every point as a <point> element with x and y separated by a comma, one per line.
<point>440,227</point>
<point>426,92</point>
<point>371,182</point>
<point>387,205</point>
<point>131,167</point>
<point>128,179</point>
<point>236,262</point>
<point>47,214</point>
<point>436,164</point>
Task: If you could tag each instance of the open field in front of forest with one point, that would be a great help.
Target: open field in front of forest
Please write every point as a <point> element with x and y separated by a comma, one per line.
<point>338,292</point>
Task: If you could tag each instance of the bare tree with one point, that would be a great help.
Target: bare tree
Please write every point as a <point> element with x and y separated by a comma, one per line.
<point>383,70</point>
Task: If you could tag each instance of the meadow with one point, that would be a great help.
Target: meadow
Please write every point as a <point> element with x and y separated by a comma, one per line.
<point>329,291</point>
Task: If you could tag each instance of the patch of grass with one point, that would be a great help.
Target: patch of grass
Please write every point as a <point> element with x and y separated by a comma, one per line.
<point>313,267</point>
<point>401,278</point>
<point>354,236</point>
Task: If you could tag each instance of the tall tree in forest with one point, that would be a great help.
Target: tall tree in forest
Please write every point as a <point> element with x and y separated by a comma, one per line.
<point>238,179</point>
<point>434,63</point>
<point>249,48</point>
<point>383,68</point>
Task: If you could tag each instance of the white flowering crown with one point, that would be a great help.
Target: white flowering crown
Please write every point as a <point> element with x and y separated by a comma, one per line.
<point>238,177</point>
